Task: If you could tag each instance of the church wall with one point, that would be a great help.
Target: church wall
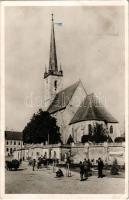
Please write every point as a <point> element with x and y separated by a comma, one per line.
<point>64,117</point>
<point>116,130</point>
<point>79,129</point>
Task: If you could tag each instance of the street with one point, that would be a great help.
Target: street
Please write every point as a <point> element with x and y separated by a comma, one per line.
<point>43,181</point>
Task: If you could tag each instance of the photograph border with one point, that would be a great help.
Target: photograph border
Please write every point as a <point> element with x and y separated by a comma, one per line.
<point>2,101</point>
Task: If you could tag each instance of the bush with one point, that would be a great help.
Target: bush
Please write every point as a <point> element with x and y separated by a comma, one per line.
<point>115,168</point>
<point>85,138</point>
<point>119,139</point>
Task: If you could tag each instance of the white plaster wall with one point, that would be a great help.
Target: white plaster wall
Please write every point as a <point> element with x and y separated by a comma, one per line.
<point>108,152</point>
<point>81,128</point>
<point>116,130</point>
<point>64,117</point>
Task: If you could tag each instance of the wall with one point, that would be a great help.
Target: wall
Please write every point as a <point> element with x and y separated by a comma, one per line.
<point>81,128</point>
<point>37,150</point>
<point>64,117</point>
<point>108,152</point>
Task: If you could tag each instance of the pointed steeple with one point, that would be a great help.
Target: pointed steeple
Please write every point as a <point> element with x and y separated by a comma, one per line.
<point>53,57</point>
<point>53,65</point>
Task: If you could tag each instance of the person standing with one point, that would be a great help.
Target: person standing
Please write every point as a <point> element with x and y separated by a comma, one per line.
<point>100,168</point>
<point>68,170</point>
<point>33,164</point>
<point>81,171</point>
<point>85,163</point>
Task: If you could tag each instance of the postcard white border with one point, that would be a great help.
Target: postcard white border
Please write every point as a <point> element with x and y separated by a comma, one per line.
<point>2,85</point>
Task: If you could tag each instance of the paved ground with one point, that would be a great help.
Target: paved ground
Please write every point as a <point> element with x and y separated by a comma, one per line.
<point>44,182</point>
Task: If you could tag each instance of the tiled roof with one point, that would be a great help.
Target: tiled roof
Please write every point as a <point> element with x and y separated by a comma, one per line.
<point>13,135</point>
<point>62,98</point>
<point>92,109</point>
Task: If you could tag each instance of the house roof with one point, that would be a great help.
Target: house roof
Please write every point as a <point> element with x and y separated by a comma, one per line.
<point>92,109</point>
<point>62,98</point>
<point>13,135</point>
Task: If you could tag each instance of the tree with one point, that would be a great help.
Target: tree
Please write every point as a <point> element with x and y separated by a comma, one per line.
<point>85,138</point>
<point>99,134</point>
<point>115,168</point>
<point>119,139</point>
<point>41,128</point>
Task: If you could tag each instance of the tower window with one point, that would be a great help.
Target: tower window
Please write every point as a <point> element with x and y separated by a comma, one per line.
<point>55,84</point>
<point>111,129</point>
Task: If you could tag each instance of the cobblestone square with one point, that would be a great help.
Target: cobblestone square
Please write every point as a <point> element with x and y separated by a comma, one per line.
<point>43,181</point>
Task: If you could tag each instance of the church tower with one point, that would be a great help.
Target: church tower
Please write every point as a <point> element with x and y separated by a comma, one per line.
<point>53,75</point>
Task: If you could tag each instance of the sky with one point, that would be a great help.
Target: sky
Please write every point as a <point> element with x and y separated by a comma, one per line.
<point>90,47</point>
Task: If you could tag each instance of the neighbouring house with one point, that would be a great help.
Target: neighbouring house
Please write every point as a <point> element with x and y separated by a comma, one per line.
<point>13,141</point>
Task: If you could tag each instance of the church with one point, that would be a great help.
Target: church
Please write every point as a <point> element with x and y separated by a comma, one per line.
<point>76,111</point>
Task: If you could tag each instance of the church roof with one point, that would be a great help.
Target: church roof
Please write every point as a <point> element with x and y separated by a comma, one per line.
<point>62,98</point>
<point>13,135</point>
<point>92,109</point>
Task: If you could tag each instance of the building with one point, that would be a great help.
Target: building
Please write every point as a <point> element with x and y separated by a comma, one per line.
<point>75,110</point>
<point>13,141</point>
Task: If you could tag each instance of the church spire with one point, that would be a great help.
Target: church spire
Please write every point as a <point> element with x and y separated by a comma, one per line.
<point>53,57</point>
<point>53,65</point>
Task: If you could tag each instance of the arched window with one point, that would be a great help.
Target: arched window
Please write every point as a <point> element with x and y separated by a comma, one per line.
<point>7,149</point>
<point>14,142</point>
<point>7,143</point>
<point>55,84</point>
<point>111,129</point>
<point>37,153</point>
<point>89,129</point>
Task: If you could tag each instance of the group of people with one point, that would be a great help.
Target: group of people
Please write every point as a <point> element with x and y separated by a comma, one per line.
<point>41,161</point>
<point>85,168</point>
